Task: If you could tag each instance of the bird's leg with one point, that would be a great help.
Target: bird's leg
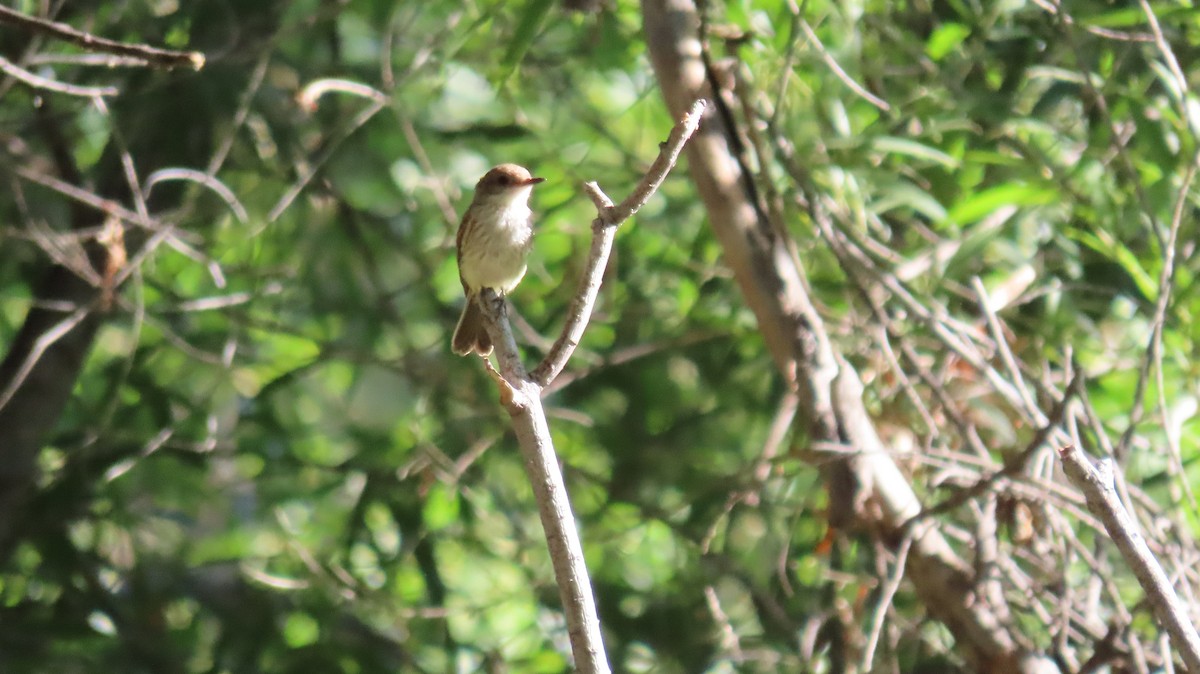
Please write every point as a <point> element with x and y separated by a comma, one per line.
<point>496,298</point>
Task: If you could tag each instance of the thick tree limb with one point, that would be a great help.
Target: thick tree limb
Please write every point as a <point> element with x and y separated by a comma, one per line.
<point>830,391</point>
<point>37,377</point>
<point>521,394</point>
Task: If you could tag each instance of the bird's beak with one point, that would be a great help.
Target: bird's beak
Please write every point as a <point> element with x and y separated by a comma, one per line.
<point>534,181</point>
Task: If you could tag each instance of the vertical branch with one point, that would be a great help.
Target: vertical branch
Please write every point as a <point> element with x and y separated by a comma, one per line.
<point>521,394</point>
<point>830,391</point>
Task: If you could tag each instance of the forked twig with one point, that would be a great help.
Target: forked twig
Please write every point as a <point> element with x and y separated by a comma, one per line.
<point>521,395</point>
<point>604,229</point>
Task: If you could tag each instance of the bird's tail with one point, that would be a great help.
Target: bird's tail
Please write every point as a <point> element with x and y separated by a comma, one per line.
<point>470,335</point>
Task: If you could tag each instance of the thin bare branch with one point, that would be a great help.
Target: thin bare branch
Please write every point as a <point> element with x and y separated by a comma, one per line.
<point>93,60</point>
<point>839,72</point>
<point>131,178</point>
<point>307,99</point>
<point>106,206</point>
<point>44,341</point>
<point>608,218</point>
<point>243,111</point>
<point>1166,282</point>
<point>891,585</point>
<point>162,58</point>
<point>522,398</point>
<point>311,94</point>
<point>211,182</point>
<point>987,307</point>
<point>521,395</point>
<point>38,82</point>
<point>1098,484</point>
<point>1166,289</point>
<point>435,182</point>
<point>1164,48</point>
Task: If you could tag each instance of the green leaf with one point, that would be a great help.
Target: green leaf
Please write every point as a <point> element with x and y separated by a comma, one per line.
<point>1121,18</point>
<point>1106,244</point>
<point>911,148</point>
<point>946,39</point>
<point>907,194</point>
<point>982,204</point>
<point>441,508</point>
<point>301,630</point>
<point>279,355</point>
<point>530,24</point>
<point>686,296</point>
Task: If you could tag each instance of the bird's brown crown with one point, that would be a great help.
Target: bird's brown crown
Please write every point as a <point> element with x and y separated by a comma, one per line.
<point>504,177</point>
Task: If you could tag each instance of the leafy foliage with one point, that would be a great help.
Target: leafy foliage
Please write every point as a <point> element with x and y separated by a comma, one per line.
<point>272,462</point>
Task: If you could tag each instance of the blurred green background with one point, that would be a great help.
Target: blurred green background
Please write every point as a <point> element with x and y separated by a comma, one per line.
<point>271,461</point>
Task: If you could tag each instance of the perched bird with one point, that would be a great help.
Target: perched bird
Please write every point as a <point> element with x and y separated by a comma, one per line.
<point>493,241</point>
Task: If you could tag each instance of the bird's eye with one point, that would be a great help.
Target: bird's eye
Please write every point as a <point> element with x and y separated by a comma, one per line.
<point>504,179</point>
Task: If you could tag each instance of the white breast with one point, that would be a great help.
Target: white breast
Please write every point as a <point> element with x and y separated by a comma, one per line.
<point>500,262</point>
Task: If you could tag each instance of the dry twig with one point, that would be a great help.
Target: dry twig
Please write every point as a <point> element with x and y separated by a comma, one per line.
<point>153,56</point>
<point>38,82</point>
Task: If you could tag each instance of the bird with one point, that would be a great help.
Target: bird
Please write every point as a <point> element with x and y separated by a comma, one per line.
<point>493,240</point>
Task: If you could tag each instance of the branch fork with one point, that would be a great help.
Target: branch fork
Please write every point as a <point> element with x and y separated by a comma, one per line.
<point>521,394</point>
